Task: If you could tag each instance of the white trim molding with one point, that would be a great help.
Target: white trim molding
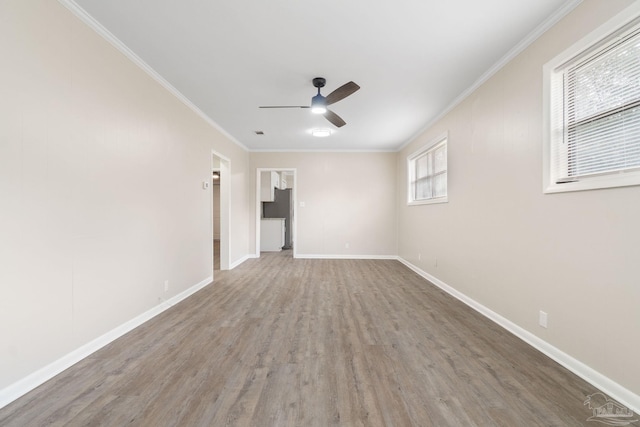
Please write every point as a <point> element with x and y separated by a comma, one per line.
<point>431,146</point>
<point>241,260</point>
<point>81,14</point>
<point>344,256</point>
<point>39,377</point>
<point>556,176</point>
<point>595,378</point>
<point>515,51</point>
<point>294,202</point>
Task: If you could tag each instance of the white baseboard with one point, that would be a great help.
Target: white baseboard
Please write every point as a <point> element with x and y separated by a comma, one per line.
<point>349,256</point>
<point>30,382</point>
<point>602,382</point>
<point>241,260</point>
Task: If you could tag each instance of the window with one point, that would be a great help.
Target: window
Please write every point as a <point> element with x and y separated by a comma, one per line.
<point>428,173</point>
<point>593,111</point>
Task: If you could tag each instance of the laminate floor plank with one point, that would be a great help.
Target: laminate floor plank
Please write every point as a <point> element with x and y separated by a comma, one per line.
<point>292,342</point>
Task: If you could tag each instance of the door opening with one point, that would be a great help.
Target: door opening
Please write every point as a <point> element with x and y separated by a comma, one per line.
<point>215,186</point>
<point>220,211</point>
<point>276,229</point>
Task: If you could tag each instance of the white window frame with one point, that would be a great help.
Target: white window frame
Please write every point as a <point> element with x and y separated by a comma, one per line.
<point>553,120</point>
<point>430,147</point>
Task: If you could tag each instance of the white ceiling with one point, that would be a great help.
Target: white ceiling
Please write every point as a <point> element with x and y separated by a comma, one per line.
<point>412,59</point>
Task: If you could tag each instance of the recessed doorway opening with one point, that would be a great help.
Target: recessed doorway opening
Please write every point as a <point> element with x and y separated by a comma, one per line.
<point>220,211</point>
<point>276,229</point>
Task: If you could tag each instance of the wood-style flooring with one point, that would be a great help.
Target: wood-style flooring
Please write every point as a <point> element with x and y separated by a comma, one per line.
<point>290,342</point>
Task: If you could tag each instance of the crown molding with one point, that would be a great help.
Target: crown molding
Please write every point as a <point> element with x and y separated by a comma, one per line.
<point>81,14</point>
<point>568,6</point>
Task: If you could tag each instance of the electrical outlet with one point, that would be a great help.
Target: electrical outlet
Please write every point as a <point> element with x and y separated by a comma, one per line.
<point>435,264</point>
<point>419,257</point>
<point>542,319</point>
<point>166,285</point>
<point>346,246</point>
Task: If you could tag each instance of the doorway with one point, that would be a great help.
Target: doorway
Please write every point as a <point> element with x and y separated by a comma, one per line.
<point>220,211</point>
<point>276,211</point>
<point>215,186</point>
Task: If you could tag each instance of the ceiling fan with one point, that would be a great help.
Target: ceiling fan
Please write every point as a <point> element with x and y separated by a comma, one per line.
<point>319,103</point>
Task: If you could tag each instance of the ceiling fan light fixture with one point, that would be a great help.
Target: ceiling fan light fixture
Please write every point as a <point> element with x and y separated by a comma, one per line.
<point>321,133</point>
<point>318,104</point>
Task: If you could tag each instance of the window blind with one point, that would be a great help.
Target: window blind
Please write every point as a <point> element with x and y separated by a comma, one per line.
<point>430,173</point>
<point>602,111</point>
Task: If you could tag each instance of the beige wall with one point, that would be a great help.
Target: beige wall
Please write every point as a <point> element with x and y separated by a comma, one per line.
<point>504,243</point>
<point>348,197</point>
<point>101,173</point>
<point>101,201</point>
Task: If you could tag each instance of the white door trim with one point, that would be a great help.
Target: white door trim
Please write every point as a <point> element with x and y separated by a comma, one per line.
<point>294,198</point>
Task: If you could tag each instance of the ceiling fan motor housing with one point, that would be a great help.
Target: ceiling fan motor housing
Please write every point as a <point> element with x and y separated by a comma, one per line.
<point>319,82</point>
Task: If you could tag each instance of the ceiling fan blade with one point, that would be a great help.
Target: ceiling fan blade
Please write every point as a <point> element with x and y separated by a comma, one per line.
<point>342,92</point>
<point>284,106</point>
<point>335,119</point>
